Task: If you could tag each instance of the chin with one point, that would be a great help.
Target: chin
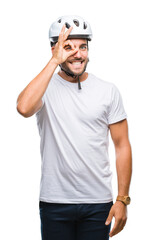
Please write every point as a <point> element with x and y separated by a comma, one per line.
<point>74,70</point>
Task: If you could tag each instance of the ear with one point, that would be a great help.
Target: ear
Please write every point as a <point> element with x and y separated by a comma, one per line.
<point>52,49</point>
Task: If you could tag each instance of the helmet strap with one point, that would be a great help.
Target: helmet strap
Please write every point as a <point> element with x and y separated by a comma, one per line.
<point>73,75</point>
<point>68,74</point>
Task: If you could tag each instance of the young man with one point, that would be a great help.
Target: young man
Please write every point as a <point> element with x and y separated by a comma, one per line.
<point>75,111</point>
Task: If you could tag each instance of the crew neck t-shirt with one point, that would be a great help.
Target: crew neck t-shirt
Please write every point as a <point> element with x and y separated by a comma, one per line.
<point>73,126</point>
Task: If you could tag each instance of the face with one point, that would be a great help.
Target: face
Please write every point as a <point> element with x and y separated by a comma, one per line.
<point>77,63</point>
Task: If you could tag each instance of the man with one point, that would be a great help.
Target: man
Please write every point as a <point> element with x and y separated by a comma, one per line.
<point>75,111</point>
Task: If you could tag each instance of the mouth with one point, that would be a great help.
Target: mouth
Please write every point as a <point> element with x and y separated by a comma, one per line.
<point>76,63</point>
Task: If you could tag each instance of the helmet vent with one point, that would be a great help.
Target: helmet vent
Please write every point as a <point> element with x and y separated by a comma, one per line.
<point>59,21</point>
<point>76,22</point>
<point>67,25</point>
<point>84,25</point>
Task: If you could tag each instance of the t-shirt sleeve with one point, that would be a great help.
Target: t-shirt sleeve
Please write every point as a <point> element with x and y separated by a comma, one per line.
<point>116,111</point>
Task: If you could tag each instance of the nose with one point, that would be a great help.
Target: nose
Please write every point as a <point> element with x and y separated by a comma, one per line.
<point>77,54</point>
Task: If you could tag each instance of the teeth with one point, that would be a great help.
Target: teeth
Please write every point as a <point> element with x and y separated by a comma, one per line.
<point>76,63</point>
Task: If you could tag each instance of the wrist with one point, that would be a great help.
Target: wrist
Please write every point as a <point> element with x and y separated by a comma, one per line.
<point>120,203</point>
<point>54,62</point>
<point>125,199</point>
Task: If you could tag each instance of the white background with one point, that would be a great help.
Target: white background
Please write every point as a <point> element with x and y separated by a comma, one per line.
<point>119,53</point>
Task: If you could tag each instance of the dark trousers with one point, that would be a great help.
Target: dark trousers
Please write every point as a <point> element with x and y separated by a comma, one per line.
<point>69,221</point>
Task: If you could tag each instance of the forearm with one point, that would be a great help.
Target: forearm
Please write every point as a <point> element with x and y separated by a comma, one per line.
<point>124,168</point>
<point>34,91</point>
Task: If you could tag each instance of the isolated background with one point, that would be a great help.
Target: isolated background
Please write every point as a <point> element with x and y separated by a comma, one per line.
<point>119,53</point>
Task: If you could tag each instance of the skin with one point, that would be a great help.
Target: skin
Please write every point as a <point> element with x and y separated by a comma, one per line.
<point>80,54</point>
<point>119,134</point>
<point>29,102</point>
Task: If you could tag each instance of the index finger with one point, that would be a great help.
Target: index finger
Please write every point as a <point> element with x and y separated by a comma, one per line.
<point>115,229</point>
<point>63,29</point>
<point>61,34</point>
<point>67,32</point>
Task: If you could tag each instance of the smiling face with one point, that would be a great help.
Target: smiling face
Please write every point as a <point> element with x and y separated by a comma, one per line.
<point>76,64</point>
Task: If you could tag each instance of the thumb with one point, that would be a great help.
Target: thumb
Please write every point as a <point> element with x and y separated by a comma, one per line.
<point>109,218</point>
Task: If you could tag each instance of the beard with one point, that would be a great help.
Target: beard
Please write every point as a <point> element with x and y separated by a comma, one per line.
<point>65,68</point>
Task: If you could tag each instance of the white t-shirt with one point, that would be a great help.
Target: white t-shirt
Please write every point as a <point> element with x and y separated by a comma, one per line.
<point>73,126</point>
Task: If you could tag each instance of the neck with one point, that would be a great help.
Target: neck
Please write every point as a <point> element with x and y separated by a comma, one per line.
<point>72,79</point>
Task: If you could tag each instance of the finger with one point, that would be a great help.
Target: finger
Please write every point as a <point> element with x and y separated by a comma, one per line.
<point>118,226</point>
<point>109,218</point>
<point>72,52</point>
<point>114,230</point>
<point>122,225</point>
<point>71,49</point>
<point>61,35</point>
<point>67,33</point>
<point>68,43</point>
<point>63,28</point>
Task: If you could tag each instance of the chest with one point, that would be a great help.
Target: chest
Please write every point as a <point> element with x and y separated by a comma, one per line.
<point>88,108</point>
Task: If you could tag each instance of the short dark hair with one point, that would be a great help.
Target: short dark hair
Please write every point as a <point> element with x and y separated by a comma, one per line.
<point>52,43</point>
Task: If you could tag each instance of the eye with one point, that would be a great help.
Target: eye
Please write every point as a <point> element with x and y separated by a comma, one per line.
<point>83,47</point>
<point>68,47</point>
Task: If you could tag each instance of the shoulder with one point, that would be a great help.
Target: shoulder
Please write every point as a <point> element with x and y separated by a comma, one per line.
<point>105,85</point>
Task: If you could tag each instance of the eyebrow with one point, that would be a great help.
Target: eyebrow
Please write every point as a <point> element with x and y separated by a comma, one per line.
<point>83,44</point>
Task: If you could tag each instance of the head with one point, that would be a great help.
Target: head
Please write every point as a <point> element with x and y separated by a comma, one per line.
<point>81,33</point>
<point>77,63</point>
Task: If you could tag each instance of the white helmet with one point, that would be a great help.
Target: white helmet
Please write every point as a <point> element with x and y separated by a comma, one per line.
<point>81,28</point>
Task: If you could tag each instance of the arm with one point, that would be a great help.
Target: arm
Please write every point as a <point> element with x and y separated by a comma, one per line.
<point>30,99</point>
<point>119,134</point>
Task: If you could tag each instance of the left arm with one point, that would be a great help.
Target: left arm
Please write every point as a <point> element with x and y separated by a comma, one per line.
<point>119,134</point>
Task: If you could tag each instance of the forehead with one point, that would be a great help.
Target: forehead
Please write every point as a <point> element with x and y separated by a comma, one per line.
<point>78,41</point>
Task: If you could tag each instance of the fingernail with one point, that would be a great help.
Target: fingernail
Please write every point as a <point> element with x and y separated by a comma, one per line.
<point>107,222</point>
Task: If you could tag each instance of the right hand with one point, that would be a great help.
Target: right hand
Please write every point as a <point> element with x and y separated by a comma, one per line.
<point>60,54</point>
